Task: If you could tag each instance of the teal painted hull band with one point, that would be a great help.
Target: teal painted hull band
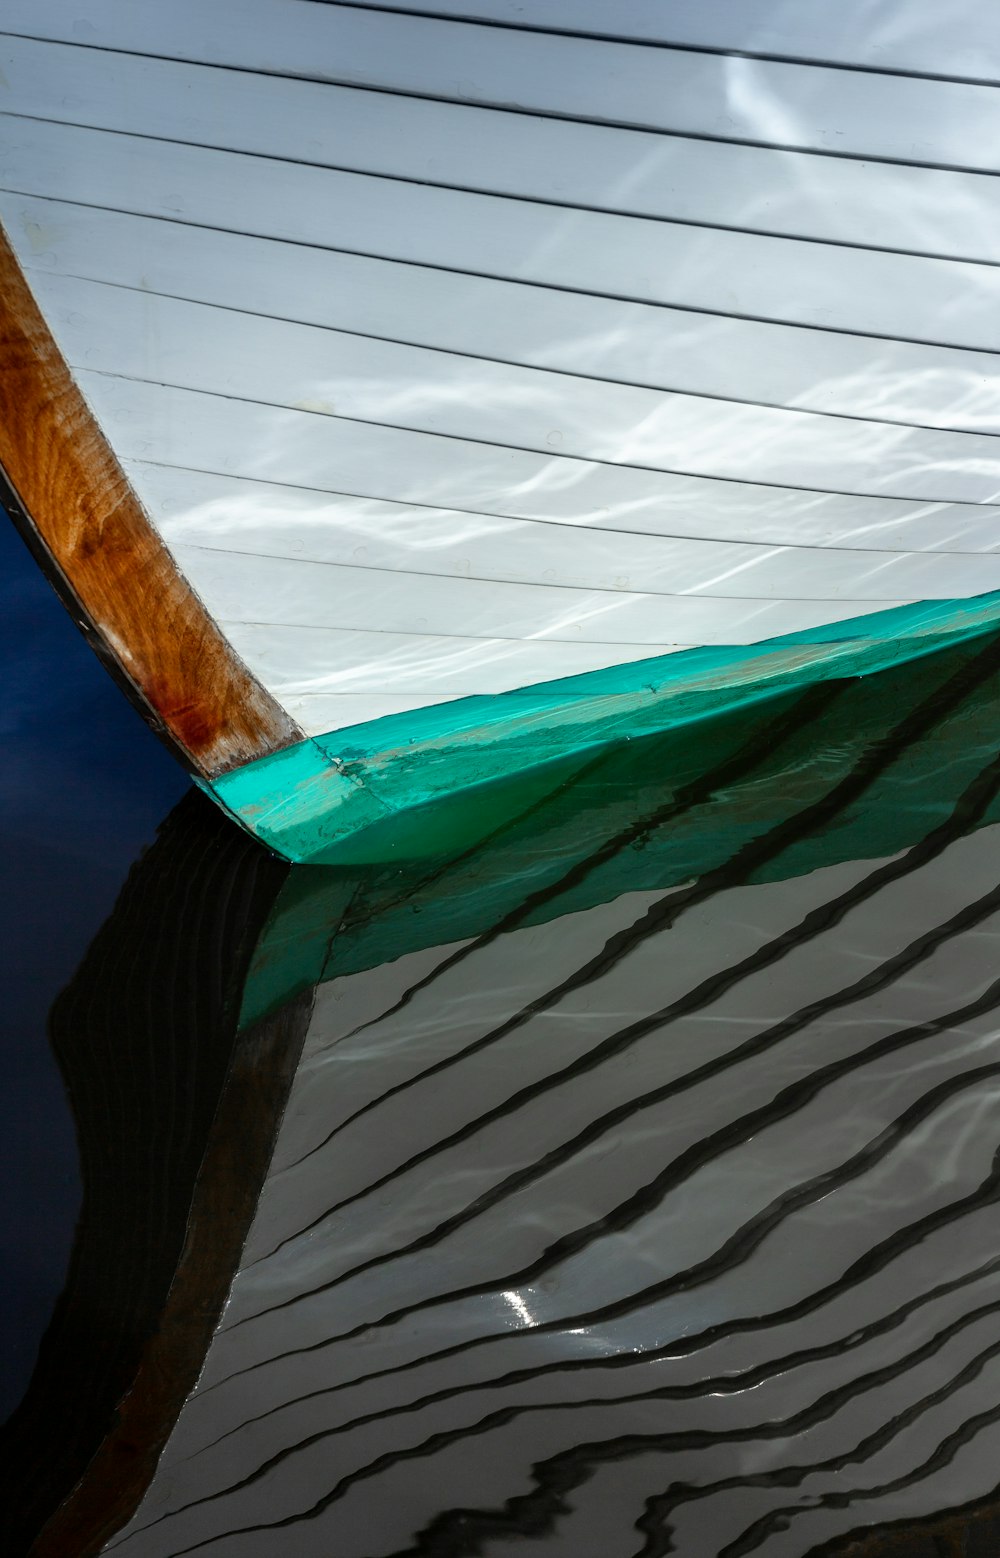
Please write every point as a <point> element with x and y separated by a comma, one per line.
<point>687,805</point>
<point>323,800</point>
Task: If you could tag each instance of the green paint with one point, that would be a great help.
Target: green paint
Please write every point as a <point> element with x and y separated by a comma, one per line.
<point>341,796</point>
<point>646,815</point>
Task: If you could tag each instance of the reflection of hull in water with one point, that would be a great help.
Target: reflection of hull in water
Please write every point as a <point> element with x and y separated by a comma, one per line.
<point>469,389</point>
<point>636,1189</point>
<point>175,1114</point>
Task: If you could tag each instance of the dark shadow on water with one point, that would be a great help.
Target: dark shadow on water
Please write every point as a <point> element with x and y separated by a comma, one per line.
<point>145,1038</point>
<point>83,786</point>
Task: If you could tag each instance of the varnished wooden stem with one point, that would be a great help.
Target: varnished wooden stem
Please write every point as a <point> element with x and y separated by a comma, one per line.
<point>70,495</point>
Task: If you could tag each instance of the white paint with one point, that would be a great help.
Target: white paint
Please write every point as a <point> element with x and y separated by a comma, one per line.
<point>305,664</point>
<point>961,41</point>
<point>664,348</point>
<point>842,199</point>
<point>706,94</point>
<point>232,514</point>
<point>330,373</point>
<point>783,279</point>
<point>416,427</point>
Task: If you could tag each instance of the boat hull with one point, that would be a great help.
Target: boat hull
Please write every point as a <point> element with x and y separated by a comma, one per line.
<point>444,391</point>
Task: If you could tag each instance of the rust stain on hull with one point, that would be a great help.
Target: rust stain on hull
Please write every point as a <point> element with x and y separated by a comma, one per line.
<point>82,517</point>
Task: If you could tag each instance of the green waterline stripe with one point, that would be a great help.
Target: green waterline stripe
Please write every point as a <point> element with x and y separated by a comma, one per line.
<point>307,801</point>
<point>638,815</point>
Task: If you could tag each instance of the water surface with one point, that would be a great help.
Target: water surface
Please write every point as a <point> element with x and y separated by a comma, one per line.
<point>604,1164</point>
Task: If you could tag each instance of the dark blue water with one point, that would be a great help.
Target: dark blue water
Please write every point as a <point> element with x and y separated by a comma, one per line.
<point>83,785</point>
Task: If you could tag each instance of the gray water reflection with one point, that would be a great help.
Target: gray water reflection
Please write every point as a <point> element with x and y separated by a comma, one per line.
<point>636,1188</point>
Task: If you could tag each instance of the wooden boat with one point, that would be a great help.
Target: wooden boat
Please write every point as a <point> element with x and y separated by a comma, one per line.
<point>628,1170</point>
<point>402,396</point>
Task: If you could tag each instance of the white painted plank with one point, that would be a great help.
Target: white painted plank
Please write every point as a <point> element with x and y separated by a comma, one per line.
<point>960,40</point>
<point>221,352</point>
<point>737,443</point>
<point>229,515</point>
<point>319,713</point>
<point>781,279</point>
<point>748,99</point>
<point>294,592</point>
<point>197,509</point>
<point>300,665</point>
<point>838,199</point>
<point>264,443</point>
<point>664,348</point>
<point>701,485</point>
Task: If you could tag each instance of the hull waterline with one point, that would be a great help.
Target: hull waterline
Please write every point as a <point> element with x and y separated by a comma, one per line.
<point>402,396</point>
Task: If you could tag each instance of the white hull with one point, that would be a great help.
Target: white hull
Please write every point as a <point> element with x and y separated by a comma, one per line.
<point>451,359</point>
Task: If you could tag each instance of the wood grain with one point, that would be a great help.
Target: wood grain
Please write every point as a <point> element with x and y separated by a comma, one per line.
<point>70,496</point>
